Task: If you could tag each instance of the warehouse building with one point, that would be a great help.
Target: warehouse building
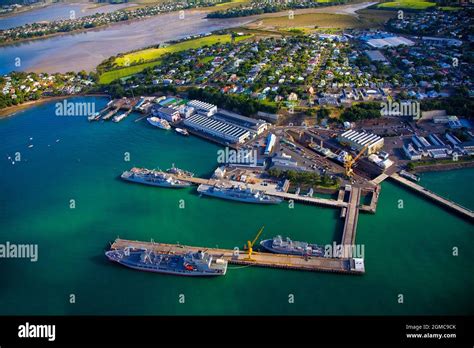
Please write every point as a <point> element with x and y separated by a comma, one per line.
<point>411,153</point>
<point>252,124</point>
<point>169,114</point>
<point>203,108</point>
<point>216,128</point>
<point>358,140</point>
<point>391,41</point>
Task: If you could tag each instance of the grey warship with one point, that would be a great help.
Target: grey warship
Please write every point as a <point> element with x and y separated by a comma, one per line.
<point>279,246</point>
<point>198,264</point>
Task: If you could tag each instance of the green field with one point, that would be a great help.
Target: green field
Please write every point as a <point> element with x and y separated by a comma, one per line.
<point>155,53</point>
<point>407,4</point>
<point>112,75</point>
<point>149,57</point>
<point>309,22</point>
<point>231,2</point>
<point>450,8</point>
<point>206,59</point>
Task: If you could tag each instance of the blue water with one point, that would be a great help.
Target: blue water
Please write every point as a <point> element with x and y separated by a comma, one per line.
<point>408,250</point>
<point>54,12</point>
<point>85,50</point>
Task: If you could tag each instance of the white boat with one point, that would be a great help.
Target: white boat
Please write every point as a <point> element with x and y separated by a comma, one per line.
<point>94,117</point>
<point>158,122</point>
<point>182,131</point>
<point>119,118</point>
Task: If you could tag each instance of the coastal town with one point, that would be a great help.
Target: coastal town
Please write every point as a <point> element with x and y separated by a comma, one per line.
<point>299,137</point>
<point>73,24</point>
<point>324,109</point>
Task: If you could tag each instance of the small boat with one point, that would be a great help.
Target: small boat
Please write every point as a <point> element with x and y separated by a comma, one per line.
<point>119,118</point>
<point>158,122</point>
<point>94,117</point>
<point>182,131</point>
<point>409,175</point>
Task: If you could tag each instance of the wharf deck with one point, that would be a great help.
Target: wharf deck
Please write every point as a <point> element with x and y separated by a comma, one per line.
<point>379,179</point>
<point>307,199</point>
<point>259,259</point>
<point>284,195</point>
<point>463,211</point>
<point>350,224</point>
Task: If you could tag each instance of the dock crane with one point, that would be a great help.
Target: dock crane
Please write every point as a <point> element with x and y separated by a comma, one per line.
<point>250,244</point>
<point>349,161</point>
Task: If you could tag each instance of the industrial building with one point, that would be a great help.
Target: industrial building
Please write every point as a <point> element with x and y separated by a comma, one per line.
<point>252,124</point>
<point>436,149</point>
<point>203,108</point>
<point>390,41</point>
<point>358,140</point>
<point>285,162</point>
<point>216,128</point>
<point>169,114</point>
<point>271,139</point>
<point>376,56</point>
<point>411,153</point>
<point>439,41</point>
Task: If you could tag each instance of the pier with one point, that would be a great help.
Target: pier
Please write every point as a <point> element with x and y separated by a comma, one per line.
<point>350,224</point>
<point>259,259</point>
<point>306,199</point>
<point>465,212</point>
<point>379,179</point>
<point>339,203</point>
<point>343,260</point>
<point>193,180</point>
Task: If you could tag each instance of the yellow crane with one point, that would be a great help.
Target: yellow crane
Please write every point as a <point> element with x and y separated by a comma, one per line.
<point>250,245</point>
<point>349,161</point>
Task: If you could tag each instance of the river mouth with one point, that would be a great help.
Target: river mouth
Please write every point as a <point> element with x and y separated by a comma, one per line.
<point>87,49</point>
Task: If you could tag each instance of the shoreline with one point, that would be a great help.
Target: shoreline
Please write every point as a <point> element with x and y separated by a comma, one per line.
<point>15,109</point>
<point>83,30</point>
<point>72,32</point>
<point>335,9</point>
<point>441,167</point>
<point>25,9</point>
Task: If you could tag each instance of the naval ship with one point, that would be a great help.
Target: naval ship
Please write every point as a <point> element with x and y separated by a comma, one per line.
<point>198,264</point>
<point>246,195</point>
<point>279,246</point>
<point>153,177</point>
<point>179,171</point>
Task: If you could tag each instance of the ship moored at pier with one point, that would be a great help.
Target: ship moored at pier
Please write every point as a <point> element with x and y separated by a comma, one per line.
<point>195,264</point>
<point>159,123</point>
<point>237,193</point>
<point>286,246</point>
<point>153,178</point>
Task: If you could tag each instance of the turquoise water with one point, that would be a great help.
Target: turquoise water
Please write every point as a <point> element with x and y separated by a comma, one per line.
<point>407,251</point>
<point>454,185</point>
